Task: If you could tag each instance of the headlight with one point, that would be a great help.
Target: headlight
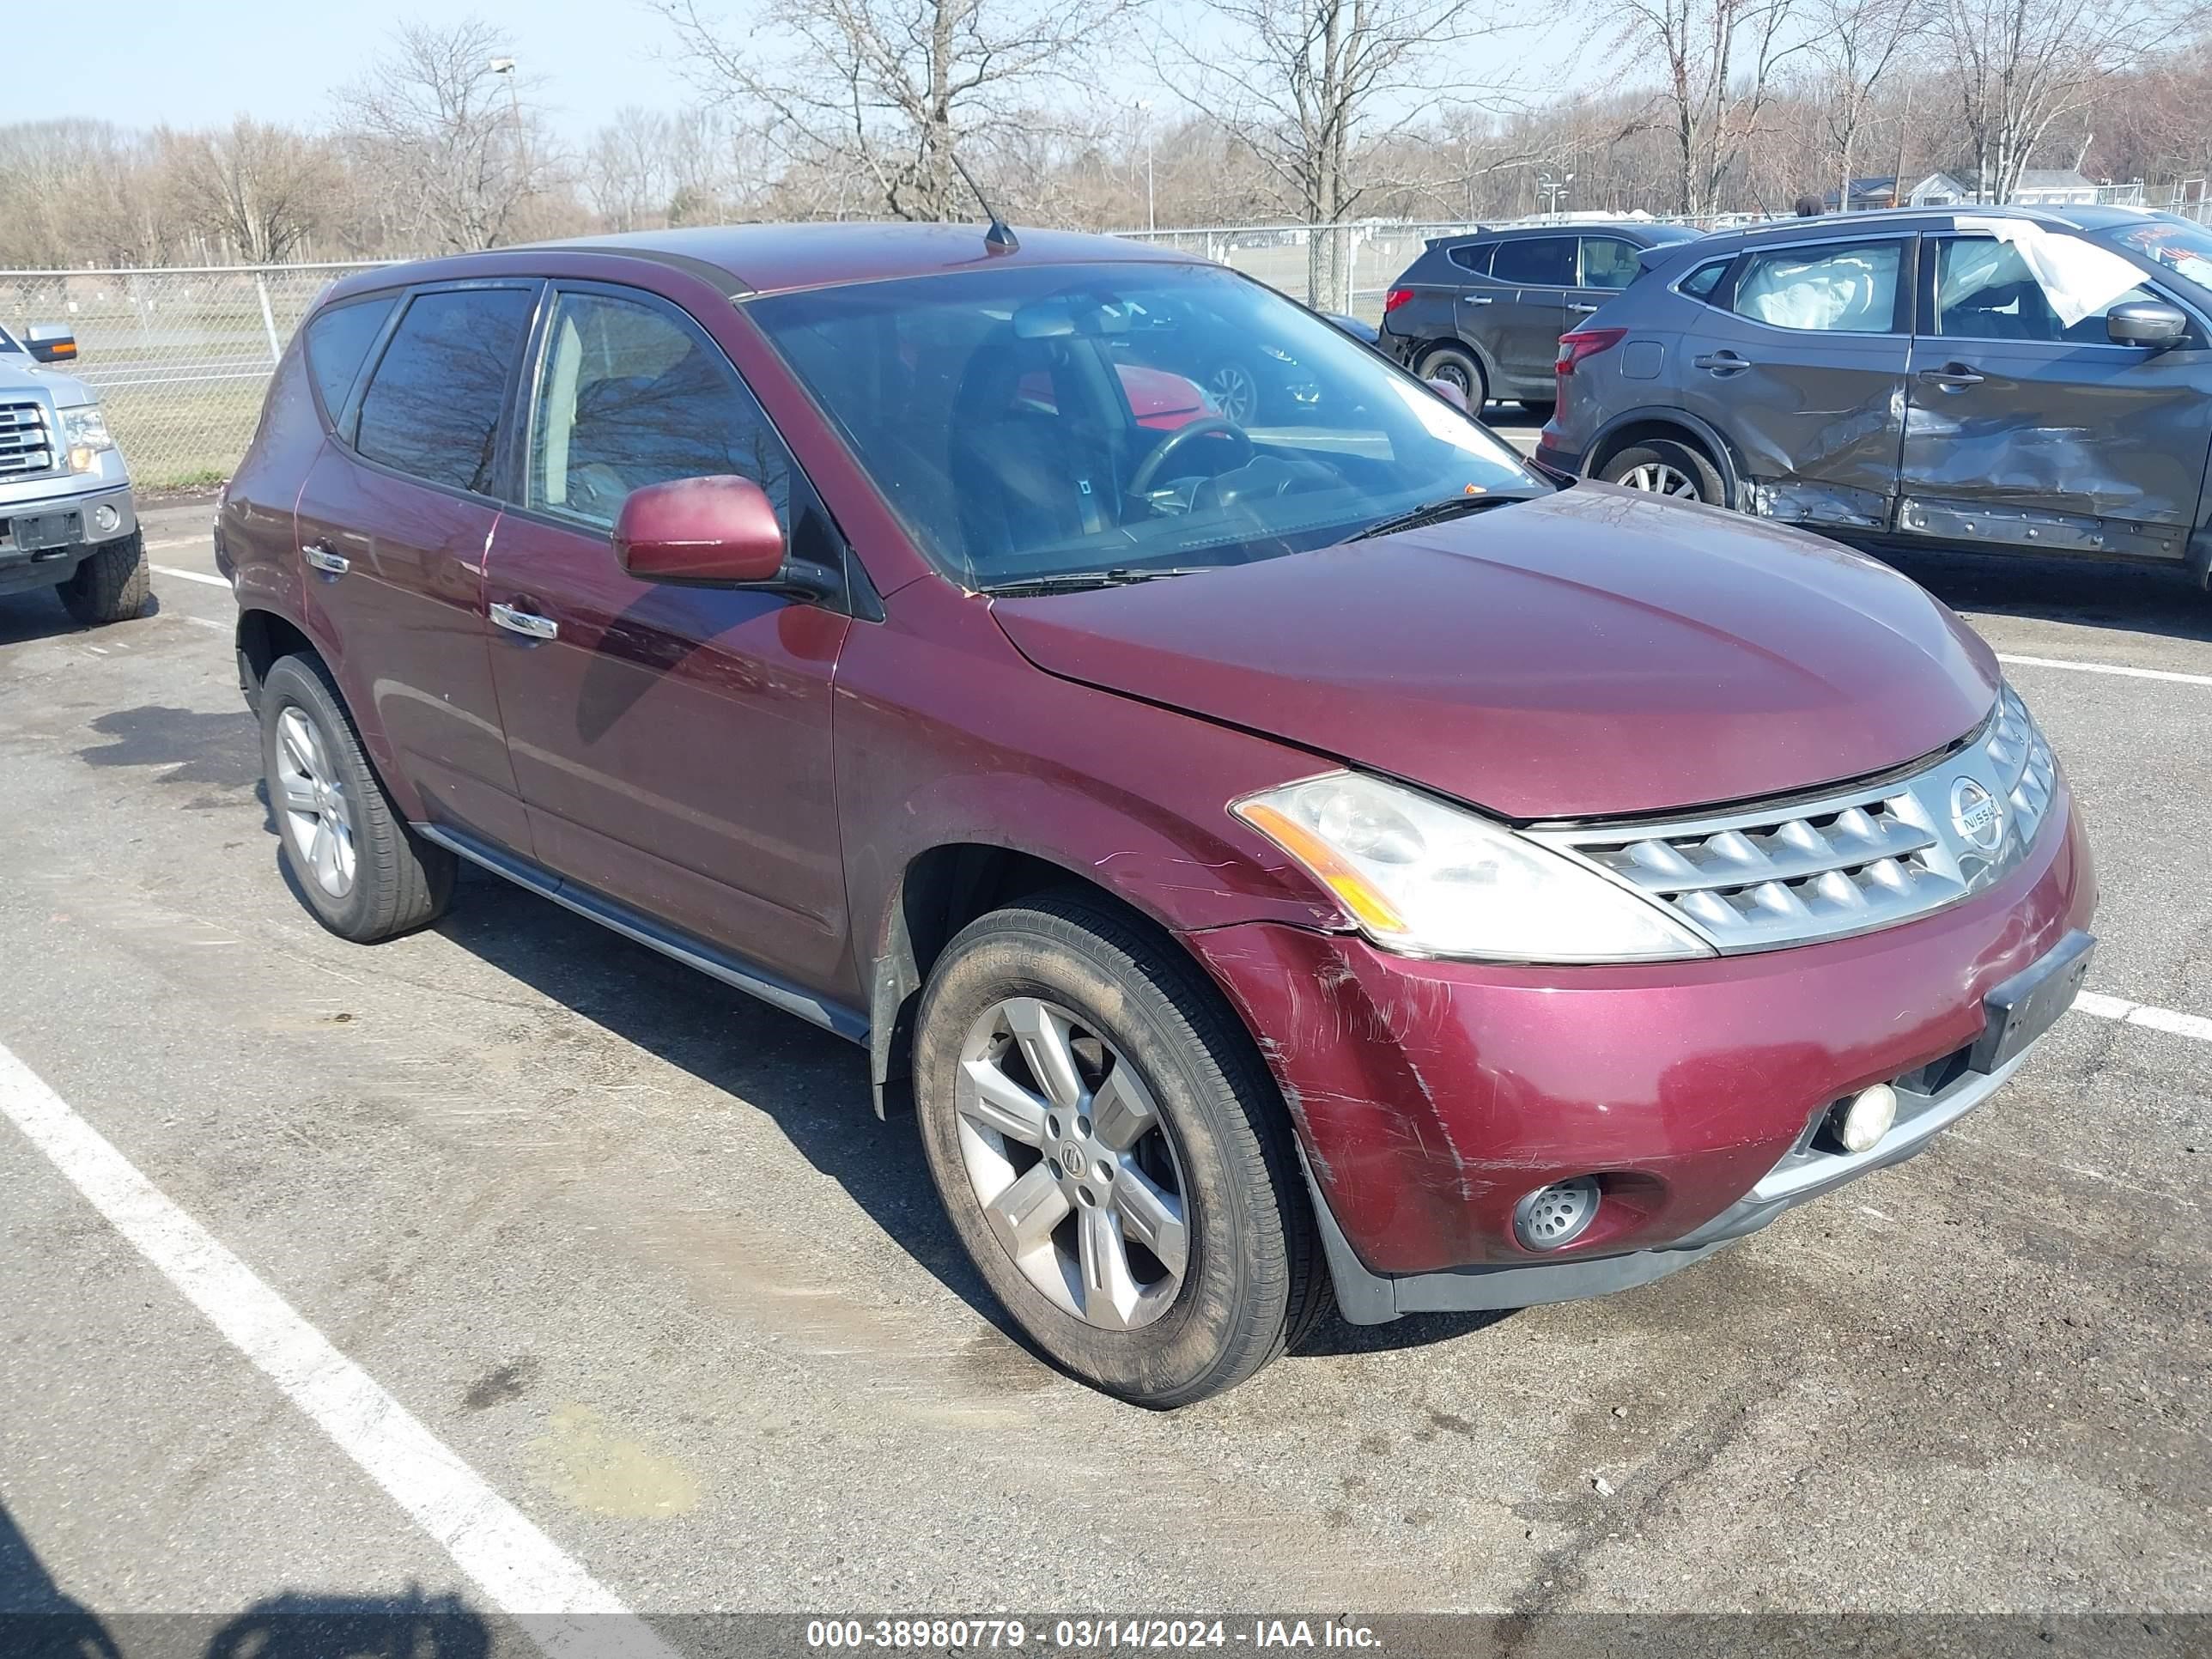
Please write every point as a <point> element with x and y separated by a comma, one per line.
<point>84,435</point>
<point>1422,876</point>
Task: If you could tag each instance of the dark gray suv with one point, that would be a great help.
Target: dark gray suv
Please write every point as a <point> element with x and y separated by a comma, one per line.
<point>1988,378</point>
<point>1483,310</point>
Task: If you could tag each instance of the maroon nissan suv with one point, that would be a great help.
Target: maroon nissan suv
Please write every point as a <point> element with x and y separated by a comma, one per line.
<point>1302,856</point>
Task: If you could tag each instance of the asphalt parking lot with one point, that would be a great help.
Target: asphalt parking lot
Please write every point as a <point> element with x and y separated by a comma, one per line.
<point>634,1249</point>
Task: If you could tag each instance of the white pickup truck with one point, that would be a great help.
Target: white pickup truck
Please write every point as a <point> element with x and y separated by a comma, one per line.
<point>66,517</point>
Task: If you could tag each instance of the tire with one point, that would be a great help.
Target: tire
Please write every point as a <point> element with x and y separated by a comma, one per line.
<point>1541,409</point>
<point>1235,389</point>
<point>1463,368</point>
<point>110,584</point>
<point>1677,469</point>
<point>393,881</point>
<point>1219,1152</point>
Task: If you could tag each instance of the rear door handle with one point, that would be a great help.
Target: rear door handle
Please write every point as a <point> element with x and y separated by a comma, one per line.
<point>1722,362</point>
<point>1476,299</point>
<point>1952,377</point>
<point>528,623</point>
<point>326,558</point>
<point>1585,310</point>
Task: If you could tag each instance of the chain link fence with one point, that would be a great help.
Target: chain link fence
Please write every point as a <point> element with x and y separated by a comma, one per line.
<point>181,357</point>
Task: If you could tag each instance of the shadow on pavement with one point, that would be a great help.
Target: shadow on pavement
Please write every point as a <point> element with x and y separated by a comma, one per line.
<point>2140,599</point>
<point>39,1621</point>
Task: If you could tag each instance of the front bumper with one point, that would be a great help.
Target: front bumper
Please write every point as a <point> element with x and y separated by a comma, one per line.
<point>44,537</point>
<point>1431,1096</point>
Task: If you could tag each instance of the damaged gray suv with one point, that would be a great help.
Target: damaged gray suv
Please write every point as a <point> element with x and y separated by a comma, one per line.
<point>1998,379</point>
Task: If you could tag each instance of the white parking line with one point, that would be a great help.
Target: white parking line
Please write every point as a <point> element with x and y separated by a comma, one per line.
<point>564,1609</point>
<point>176,540</point>
<point>2109,668</point>
<point>191,576</point>
<point>2097,1006</point>
<point>209,622</point>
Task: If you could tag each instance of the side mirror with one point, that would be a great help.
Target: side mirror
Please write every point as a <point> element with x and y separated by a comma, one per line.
<point>50,342</point>
<point>718,530</point>
<point>1451,393</point>
<point>2146,323</point>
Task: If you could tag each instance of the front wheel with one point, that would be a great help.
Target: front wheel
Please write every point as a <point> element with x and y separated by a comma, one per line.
<point>1112,1152</point>
<point>110,584</point>
<point>1663,467</point>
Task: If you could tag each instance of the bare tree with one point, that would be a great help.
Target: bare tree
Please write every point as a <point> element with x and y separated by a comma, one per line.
<point>256,189</point>
<point>630,173</point>
<point>457,137</point>
<point>1718,60</point>
<point>881,92</point>
<point>1312,86</point>
<point>1857,43</point>
<point>2023,65</point>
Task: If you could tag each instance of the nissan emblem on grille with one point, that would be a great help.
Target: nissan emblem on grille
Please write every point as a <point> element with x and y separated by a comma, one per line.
<point>1976,815</point>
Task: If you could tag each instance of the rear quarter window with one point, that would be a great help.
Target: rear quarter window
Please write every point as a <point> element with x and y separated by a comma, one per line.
<point>1475,256</point>
<point>434,402</point>
<point>1700,284</point>
<point>337,344</point>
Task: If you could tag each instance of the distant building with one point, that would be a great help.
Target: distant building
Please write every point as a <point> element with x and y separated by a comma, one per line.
<point>1867,194</point>
<point>2038,187</point>
<point>2052,187</point>
<point>1939,189</point>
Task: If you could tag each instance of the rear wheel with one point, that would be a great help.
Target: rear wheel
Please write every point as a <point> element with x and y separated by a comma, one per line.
<point>110,584</point>
<point>364,873</point>
<point>1235,391</point>
<point>1458,367</point>
<point>1112,1153</point>
<point>1662,466</point>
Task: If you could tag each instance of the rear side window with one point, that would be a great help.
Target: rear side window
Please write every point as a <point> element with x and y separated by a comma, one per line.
<point>337,341</point>
<point>1700,284</point>
<point>1540,262</point>
<point>1842,288</point>
<point>1608,262</point>
<point>432,406</point>
<point>1475,258</point>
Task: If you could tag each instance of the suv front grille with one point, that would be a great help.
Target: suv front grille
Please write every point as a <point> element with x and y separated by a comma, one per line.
<point>26,445</point>
<point>1757,880</point>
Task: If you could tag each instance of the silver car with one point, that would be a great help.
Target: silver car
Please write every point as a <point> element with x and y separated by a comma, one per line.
<point>1983,378</point>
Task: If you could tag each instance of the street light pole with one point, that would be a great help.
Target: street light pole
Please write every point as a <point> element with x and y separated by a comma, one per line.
<point>1151,215</point>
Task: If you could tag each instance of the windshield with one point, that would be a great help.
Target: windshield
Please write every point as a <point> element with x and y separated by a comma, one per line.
<point>8,342</point>
<point>1042,421</point>
<point>2183,248</point>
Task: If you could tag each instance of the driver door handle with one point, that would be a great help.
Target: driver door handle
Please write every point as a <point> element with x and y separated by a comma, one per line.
<point>326,558</point>
<point>1722,362</point>
<point>528,623</point>
<point>1952,377</point>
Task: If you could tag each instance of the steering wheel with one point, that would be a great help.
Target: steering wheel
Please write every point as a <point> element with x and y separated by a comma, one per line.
<point>1206,426</point>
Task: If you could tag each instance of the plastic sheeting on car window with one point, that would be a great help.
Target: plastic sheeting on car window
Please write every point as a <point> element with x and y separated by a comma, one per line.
<point>2079,279</point>
<point>1850,290</point>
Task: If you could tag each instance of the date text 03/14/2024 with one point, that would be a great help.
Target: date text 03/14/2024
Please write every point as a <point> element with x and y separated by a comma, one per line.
<point>1086,1636</point>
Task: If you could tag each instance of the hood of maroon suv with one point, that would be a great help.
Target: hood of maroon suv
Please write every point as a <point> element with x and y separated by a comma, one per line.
<point>1592,652</point>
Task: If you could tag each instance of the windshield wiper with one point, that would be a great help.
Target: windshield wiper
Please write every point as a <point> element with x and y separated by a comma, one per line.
<point>1438,512</point>
<point>1075,581</point>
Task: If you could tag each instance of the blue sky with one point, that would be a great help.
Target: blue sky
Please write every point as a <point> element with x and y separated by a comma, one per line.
<point>201,61</point>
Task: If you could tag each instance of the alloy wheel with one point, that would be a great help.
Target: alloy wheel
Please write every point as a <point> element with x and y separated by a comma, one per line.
<point>318,817</point>
<point>1071,1162</point>
<point>1235,392</point>
<point>1660,479</point>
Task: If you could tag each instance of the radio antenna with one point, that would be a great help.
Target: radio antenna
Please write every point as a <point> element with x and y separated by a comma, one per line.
<point>1000,239</point>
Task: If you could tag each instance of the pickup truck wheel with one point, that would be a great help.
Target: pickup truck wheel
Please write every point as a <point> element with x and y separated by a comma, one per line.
<point>110,584</point>
<point>1113,1153</point>
<point>363,872</point>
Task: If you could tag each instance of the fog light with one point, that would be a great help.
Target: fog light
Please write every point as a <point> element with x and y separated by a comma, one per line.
<point>1556,1215</point>
<point>1866,1117</point>
<point>105,518</point>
